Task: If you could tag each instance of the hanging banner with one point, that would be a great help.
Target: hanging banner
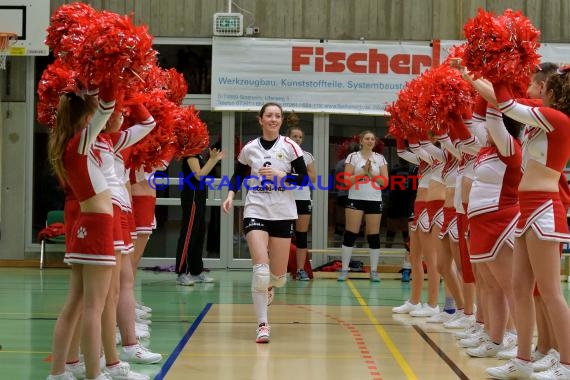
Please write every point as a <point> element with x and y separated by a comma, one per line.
<point>313,76</point>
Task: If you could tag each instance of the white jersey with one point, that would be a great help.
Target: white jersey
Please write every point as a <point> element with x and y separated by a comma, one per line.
<point>304,193</point>
<point>265,198</point>
<point>365,190</point>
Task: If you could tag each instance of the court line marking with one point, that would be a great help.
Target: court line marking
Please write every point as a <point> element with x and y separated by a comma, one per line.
<point>358,340</point>
<point>383,334</point>
<point>180,346</point>
<point>460,374</point>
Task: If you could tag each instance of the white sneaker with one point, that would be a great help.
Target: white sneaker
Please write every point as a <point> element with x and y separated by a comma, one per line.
<point>143,308</point>
<point>457,315</point>
<point>536,355</point>
<point>140,314</point>
<point>513,369</point>
<point>263,332</point>
<point>202,277</point>
<point>139,354</point>
<point>141,334</point>
<point>510,340</point>
<point>122,371</point>
<point>548,361</point>
<point>486,349</point>
<point>141,321</point>
<point>557,372</point>
<point>77,369</point>
<point>508,354</point>
<point>440,317</point>
<point>469,331</point>
<point>64,376</point>
<point>184,280</point>
<point>142,326</point>
<point>425,311</point>
<point>406,308</point>
<point>104,376</point>
<point>475,340</point>
<point>462,322</point>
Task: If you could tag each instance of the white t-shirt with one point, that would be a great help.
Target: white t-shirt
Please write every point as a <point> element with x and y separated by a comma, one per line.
<point>365,190</point>
<point>268,199</point>
<point>304,193</point>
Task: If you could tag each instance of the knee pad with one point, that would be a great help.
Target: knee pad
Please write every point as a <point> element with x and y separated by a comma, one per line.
<point>301,239</point>
<point>349,239</point>
<point>373,241</point>
<point>278,281</point>
<point>260,279</point>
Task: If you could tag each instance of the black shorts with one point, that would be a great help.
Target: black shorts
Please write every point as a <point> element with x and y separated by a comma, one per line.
<point>304,207</point>
<point>341,200</point>
<point>369,207</point>
<point>275,228</point>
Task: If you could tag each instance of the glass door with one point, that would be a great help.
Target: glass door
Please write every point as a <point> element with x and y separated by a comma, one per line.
<point>161,249</point>
<point>247,128</point>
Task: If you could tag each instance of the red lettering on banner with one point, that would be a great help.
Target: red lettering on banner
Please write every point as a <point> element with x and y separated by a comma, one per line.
<point>369,62</point>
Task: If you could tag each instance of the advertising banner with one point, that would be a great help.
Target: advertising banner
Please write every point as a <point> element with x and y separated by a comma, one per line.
<point>313,76</point>
<point>341,77</point>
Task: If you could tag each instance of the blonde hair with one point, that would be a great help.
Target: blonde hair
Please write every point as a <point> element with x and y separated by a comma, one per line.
<point>72,112</point>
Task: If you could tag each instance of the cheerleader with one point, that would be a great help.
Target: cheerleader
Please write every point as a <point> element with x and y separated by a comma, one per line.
<point>91,253</point>
<point>542,225</point>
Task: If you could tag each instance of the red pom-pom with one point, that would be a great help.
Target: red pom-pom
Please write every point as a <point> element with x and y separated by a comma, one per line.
<point>68,28</point>
<point>154,147</point>
<point>115,49</point>
<point>56,80</point>
<point>191,133</point>
<point>501,48</point>
<point>445,98</point>
<point>169,82</point>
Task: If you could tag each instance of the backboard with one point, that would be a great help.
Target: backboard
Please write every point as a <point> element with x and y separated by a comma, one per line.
<point>29,19</point>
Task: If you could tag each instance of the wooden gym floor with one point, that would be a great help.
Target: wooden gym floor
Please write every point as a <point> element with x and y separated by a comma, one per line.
<point>320,330</point>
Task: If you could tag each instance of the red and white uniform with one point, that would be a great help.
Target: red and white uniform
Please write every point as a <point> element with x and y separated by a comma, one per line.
<point>449,175</point>
<point>493,208</point>
<point>92,236</point>
<point>546,142</point>
<point>436,156</point>
<point>110,146</point>
<point>263,200</point>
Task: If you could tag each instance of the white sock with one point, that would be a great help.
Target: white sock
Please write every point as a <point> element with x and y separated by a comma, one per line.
<point>374,258</point>
<point>346,254</point>
<point>260,306</point>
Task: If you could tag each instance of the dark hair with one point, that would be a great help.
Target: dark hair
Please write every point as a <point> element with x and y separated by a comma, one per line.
<point>293,124</point>
<point>262,110</point>
<point>544,70</point>
<point>353,147</point>
<point>559,83</point>
<point>513,127</point>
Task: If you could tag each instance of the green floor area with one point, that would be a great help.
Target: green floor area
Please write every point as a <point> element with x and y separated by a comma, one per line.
<point>30,300</point>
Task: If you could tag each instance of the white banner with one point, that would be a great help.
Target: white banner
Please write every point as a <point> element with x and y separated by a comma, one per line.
<point>310,76</point>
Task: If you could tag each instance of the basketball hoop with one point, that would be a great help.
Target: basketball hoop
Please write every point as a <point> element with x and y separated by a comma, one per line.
<point>7,39</point>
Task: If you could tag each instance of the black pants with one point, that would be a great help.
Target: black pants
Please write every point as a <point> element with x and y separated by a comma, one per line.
<point>192,232</point>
